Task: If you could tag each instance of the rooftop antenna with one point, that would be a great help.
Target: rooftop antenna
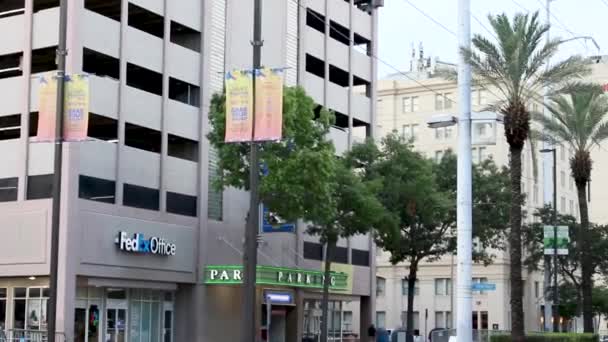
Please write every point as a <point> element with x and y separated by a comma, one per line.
<point>413,58</point>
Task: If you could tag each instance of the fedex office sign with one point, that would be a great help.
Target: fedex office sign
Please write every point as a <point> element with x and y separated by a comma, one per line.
<point>138,243</point>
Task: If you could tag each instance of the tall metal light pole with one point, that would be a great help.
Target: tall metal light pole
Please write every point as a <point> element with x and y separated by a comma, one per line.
<point>464,305</point>
<point>547,186</point>
<point>56,212</point>
<point>555,260</point>
<point>250,255</point>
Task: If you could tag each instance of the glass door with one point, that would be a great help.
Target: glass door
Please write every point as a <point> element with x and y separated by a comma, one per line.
<point>115,325</point>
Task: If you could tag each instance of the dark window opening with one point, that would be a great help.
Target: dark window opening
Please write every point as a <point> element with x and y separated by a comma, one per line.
<point>363,43</point>
<point>364,5</point>
<point>341,120</point>
<point>44,60</point>
<point>181,204</point>
<point>313,251</point>
<point>11,7</point>
<point>185,36</point>
<point>184,92</point>
<point>140,197</point>
<point>340,255</point>
<point>183,148</point>
<point>100,64</point>
<point>107,8</point>
<point>360,257</point>
<point>10,127</point>
<point>338,76</point>
<point>357,81</point>
<point>145,20</point>
<point>142,138</point>
<point>41,5</point>
<point>315,66</point>
<point>33,124</point>
<point>96,189</point>
<point>339,32</point>
<point>103,128</point>
<point>144,79</point>
<point>10,65</point>
<point>8,190</point>
<point>39,187</point>
<point>315,20</point>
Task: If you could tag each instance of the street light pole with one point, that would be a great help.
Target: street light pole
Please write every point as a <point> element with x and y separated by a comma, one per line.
<point>555,296</point>
<point>57,165</point>
<point>250,254</point>
<point>464,305</point>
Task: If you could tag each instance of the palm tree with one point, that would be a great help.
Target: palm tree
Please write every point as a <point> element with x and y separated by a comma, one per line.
<point>579,119</point>
<point>516,66</point>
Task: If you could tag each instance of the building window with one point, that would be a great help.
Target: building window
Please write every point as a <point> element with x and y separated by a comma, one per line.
<point>410,104</point>
<point>571,207</point>
<point>405,288</point>
<point>215,201</point>
<point>39,187</point>
<point>448,132</point>
<point>184,92</point>
<point>443,101</point>
<point>443,286</point>
<point>380,286</point>
<point>562,178</point>
<point>44,59</point>
<point>145,310</point>
<point>103,128</point>
<point>10,65</point>
<point>8,189</point>
<point>562,206</point>
<point>102,65</point>
<point>10,127</point>
<point>410,132</point>
<point>360,257</point>
<point>143,138</point>
<point>416,320</point>
<point>571,183</point>
<point>347,322</point>
<point>10,8</point>
<point>340,255</point>
<point>29,308</point>
<point>181,204</point>
<point>443,319</point>
<point>482,97</point>
<point>380,319</point>
<point>96,189</point>
<point>140,197</point>
<point>439,133</point>
<point>182,148</point>
<point>108,8</point>
<point>185,36</point>
<point>562,153</point>
<point>147,21</point>
<point>536,289</point>
<point>41,5</point>
<point>439,156</point>
<point>535,195</point>
<point>144,79</point>
<point>3,297</point>
<point>313,251</point>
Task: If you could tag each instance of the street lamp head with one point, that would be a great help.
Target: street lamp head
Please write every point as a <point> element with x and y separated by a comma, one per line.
<point>547,150</point>
<point>443,120</point>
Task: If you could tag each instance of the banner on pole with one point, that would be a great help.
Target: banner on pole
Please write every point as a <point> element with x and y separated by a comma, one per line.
<point>239,104</point>
<point>47,106</point>
<point>563,240</point>
<point>76,117</point>
<point>268,104</point>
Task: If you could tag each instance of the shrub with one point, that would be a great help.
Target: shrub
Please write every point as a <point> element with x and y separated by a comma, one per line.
<point>550,337</point>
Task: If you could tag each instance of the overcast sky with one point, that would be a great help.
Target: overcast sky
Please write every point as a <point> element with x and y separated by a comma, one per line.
<point>401,25</point>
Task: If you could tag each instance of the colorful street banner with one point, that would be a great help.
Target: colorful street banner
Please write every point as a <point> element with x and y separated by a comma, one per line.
<point>563,240</point>
<point>239,105</point>
<point>47,105</point>
<point>76,107</point>
<point>76,118</point>
<point>268,104</point>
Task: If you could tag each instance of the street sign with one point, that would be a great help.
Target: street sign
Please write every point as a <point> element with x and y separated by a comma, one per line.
<point>271,223</point>
<point>483,287</point>
<point>563,240</point>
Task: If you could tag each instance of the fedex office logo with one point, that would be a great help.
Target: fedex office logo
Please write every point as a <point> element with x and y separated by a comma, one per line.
<point>140,244</point>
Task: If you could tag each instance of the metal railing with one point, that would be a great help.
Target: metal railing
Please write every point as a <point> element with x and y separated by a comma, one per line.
<point>478,335</point>
<point>21,335</point>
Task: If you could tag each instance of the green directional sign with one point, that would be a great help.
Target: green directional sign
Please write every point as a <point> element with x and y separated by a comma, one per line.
<point>563,240</point>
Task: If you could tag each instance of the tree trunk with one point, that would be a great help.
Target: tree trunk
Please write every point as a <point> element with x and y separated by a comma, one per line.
<point>331,244</point>
<point>411,288</point>
<point>517,311</point>
<point>586,267</point>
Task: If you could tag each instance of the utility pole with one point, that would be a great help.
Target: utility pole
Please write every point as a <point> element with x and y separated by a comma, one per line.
<point>464,305</point>
<point>555,269</point>
<point>250,255</point>
<point>547,189</point>
<point>56,212</point>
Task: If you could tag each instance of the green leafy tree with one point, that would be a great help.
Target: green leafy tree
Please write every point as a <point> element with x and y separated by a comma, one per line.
<point>421,208</point>
<point>579,120</point>
<point>305,180</point>
<point>515,65</point>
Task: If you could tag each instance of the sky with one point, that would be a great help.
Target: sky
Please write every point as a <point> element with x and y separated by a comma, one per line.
<point>401,25</point>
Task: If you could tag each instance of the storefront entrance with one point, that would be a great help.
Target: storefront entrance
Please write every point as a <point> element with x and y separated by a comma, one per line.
<point>123,315</point>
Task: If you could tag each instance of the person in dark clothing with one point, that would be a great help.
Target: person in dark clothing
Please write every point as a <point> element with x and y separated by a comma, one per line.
<point>371,332</point>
